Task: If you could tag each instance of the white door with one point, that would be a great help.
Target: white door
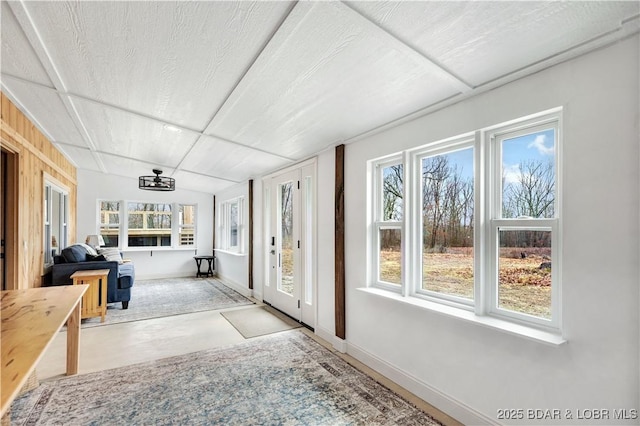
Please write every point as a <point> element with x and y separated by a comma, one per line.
<point>285,253</point>
<point>290,243</point>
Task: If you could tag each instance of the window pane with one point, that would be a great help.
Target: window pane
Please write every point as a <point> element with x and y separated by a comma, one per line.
<point>390,256</point>
<point>528,175</point>
<point>524,272</point>
<point>447,223</point>
<point>186,225</point>
<point>233,225</point>
<point>286,238</point>
<point>110,223</point>
<point>392,190</point>
<point>149,224</point>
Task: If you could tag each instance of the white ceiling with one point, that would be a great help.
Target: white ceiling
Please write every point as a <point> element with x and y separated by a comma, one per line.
<point>215,93</point>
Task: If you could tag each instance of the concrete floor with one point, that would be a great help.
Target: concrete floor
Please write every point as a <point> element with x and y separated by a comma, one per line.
<point>117,345</point>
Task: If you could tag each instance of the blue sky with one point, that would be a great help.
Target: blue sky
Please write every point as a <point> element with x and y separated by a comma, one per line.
<point>538,146</point>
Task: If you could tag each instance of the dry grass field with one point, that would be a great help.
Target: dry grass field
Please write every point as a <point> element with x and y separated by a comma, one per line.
<point>524,287</point>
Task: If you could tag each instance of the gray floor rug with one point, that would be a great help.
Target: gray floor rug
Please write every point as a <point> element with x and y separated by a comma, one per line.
<point>285,378</point>
<point>259,320</point>
<point>171,296</point>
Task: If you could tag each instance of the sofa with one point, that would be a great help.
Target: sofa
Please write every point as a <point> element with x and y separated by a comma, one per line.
<point>80,257</point>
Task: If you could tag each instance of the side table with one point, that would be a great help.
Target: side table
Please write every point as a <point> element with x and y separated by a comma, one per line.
<point>199,260</point>
<point>94,301</point>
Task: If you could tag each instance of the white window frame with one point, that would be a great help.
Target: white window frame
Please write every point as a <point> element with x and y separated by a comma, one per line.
<point>380,224</point>
<point>487,223</point>
<point>416,156</point>
<point>493,140</point>
<point>178,224</point>
<point>51,186</point>
<point>225,226</point>
<point>123,225</point>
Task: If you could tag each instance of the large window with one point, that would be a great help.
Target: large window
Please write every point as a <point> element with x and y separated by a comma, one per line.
<point>149,225</point>
<point>473,222</point>
<point>130,224</point>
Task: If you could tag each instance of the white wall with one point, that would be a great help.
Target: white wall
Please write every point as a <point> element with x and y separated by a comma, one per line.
<point>473,371</point>
<point>94,186</point>
<point>233,268</point>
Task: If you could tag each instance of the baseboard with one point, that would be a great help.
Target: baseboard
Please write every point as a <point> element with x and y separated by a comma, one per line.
<point>337,343</point>
<point>234,285</point>
<point>456,409</point>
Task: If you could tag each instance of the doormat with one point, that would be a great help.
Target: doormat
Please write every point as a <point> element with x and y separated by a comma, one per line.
<point>259,320</point>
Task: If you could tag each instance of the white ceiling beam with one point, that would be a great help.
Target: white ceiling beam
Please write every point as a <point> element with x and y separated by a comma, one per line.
<point>41,51</point>
<point>628,27</point>
<point>142,115</point>
<point>430,63</point>
<point>235,86</point>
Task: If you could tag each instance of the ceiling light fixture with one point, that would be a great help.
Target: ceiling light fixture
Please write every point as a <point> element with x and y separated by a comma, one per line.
<point>157,183</point>
<point>172,128</point>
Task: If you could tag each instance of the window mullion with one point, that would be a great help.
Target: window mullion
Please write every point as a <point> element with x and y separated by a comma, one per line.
<point>407,225</point>
<point>482,250</point>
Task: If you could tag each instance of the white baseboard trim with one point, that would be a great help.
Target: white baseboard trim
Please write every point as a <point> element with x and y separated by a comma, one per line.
<point>234,285</point>
<point>337,343</point>
<point>456,409</point>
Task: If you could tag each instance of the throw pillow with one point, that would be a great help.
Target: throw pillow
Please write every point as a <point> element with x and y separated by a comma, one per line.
<point>74,253</point>
<point>89,249</point>
<point>111,254</point>
<point>96,258</point>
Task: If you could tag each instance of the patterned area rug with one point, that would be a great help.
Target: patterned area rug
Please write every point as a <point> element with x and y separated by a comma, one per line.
<point>171,296</point>
<point>279,379</point>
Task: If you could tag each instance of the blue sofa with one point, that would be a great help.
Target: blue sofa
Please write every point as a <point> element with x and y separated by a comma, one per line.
<point>79,257</point>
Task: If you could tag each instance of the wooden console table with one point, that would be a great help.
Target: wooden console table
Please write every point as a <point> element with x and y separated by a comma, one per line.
<point>31,318</point>
<point>94,302</point>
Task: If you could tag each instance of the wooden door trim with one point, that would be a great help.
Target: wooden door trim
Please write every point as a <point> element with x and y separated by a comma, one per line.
<point>11,223</point>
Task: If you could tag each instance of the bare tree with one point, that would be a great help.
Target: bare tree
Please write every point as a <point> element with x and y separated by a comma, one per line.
<point>392,190</point>
<point>533,193</point>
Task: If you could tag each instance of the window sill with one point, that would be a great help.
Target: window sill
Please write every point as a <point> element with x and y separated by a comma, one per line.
<point>231,253</point>
<point>133,249</point>
<point>530,333</point>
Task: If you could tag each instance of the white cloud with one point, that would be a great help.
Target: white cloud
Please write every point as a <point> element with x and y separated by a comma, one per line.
<point>511,173</point>
<point>539,144</point>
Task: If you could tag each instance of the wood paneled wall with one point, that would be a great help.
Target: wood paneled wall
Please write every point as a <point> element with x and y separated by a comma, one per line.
<point>35,156</point>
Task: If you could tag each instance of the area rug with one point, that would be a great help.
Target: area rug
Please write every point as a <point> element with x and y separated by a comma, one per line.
<point>259,320</point>
<point>280,379</point>
<point>171,296</point>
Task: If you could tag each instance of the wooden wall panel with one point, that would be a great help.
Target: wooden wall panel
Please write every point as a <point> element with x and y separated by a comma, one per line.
<point>36,156</point>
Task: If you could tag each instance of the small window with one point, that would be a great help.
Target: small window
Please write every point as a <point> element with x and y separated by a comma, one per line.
<point>110,223</point>
<point>231,225</point>
<point>524,222</point>
<point>56,216</point>
<point>187,225</point>
<point>389,212</point>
